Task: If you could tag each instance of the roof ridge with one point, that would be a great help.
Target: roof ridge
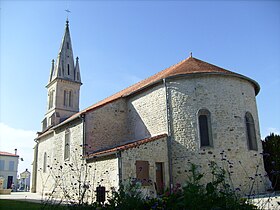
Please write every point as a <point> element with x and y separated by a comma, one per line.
<point>188,66</point>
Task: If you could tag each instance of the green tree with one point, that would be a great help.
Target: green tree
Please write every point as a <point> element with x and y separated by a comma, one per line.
<point>271,151</point>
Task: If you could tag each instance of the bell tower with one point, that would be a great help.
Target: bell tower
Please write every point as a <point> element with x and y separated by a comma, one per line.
<point>63,85</point>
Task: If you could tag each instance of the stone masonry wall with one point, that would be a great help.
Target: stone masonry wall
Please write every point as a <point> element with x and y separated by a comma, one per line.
<point>58,172</point>
<point>155,151</point>
<point>147,113</point>
<point>106,126</point>
<point>227,99</point>
<point>103,171</point>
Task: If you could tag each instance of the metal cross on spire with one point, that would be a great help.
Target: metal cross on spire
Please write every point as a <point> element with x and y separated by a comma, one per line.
<point>68,11</point>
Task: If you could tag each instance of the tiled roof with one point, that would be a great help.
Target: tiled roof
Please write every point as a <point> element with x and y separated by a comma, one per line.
<point>8,154</point>
<point>189,66</point>
<point>125,146</point>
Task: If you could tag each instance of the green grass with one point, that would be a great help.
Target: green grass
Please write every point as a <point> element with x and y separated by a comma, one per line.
<point>18,205</point>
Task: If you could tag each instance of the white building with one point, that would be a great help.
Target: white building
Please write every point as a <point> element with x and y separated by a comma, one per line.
<point>24,181</point>
<point>8,168</point>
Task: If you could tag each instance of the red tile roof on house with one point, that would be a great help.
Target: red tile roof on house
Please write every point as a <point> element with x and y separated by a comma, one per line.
<point>189,66</point>
<point>125,146</point>
<point>8,154</point>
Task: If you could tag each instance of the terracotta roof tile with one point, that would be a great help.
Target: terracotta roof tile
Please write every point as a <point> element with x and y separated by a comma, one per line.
<point>8,154</point>
<point>126,146</point>
<point>188,66</point>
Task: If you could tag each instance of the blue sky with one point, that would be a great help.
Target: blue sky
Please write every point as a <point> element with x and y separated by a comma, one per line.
<point>122,42</point>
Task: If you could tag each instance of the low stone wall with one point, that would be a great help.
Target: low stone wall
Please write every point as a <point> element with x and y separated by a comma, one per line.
<point>5,191</point>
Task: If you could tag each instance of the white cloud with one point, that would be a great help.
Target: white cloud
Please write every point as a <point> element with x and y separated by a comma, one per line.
<point>22,140</point>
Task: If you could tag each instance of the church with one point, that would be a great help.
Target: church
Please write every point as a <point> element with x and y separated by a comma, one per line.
<point>193,112</point>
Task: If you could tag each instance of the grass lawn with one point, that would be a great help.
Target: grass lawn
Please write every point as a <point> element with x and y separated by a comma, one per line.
<point>18,205</point>
<point>26,205</point>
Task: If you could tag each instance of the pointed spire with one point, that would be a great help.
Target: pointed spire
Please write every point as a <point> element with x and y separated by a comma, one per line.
<point>77,71</point>
<point>64,67</point>
<point>52,73</point>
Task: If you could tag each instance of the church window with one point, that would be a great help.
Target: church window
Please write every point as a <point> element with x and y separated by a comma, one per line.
<point>205,133</point>
<point>68,69</point>
<point>70,98</point>
<point>45,162</point>
<point>142,172</point>
<point>67,43</point>
<point>251,132</point>
<point>67,145</point>
<point>65,97</point>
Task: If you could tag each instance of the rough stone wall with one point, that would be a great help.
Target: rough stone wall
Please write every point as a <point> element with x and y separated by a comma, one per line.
<point>155,151</point>
<point>58,172</point>
<point>103,171</point>
<point>227,99</point>
<point>106,126</point>
<point>147,113</point>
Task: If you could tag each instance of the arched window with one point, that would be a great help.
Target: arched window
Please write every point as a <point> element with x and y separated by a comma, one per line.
<point>45,162</point>
<point>67,145</point>
<point>68,69</point>
<point>251,132</point>
<point>205,132</point>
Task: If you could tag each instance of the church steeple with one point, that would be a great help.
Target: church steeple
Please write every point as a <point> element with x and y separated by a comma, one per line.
<point>64,67</point>
<point>64,84</point>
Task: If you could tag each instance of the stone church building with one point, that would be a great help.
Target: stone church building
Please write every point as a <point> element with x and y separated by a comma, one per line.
<point>192,112</point>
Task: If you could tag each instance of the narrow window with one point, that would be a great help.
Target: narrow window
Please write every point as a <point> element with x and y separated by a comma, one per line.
<point>67,45</point>
<point>70,98</point>
<point>51,94</point>
<point>67,145</point>
<point>11,166</point>
<point>142,172</point>
<point>45,162</point>
<point>205,133</point>
<point>68,69</point>
<point>251,132</point>
<point>65,98</point>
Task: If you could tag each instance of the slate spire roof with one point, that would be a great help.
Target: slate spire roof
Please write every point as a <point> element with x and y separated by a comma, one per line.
<point>64,67</point>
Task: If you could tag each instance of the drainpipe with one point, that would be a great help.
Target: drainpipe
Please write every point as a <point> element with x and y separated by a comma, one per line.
<point>119,156</point>
<point>169,143</point>
<point>83,117</point>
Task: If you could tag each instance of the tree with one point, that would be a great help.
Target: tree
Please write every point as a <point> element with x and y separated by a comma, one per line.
<point>271,151</point>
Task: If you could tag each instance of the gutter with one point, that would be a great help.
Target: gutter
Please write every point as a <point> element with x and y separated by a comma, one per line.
<point>169,143</point>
